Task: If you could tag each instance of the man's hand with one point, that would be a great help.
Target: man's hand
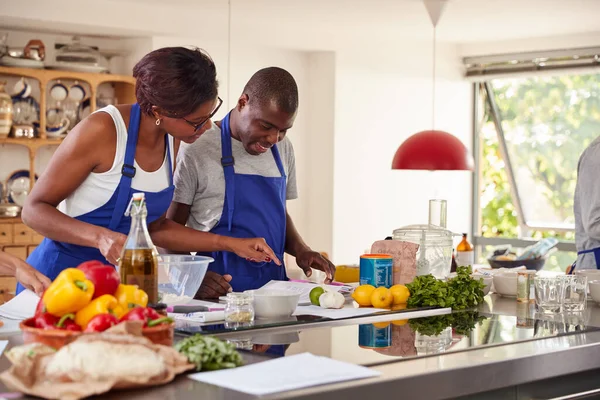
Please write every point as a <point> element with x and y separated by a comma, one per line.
<point>213,286</point>
<point>309,260</point>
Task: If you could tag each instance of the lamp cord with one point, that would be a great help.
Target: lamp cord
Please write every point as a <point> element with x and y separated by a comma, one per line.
<point>433,81</point>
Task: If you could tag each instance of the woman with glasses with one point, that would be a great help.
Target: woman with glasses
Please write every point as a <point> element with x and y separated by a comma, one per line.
<point>78,204</point>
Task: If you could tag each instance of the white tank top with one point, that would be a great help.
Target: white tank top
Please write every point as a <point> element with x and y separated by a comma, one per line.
<point>98,188</point>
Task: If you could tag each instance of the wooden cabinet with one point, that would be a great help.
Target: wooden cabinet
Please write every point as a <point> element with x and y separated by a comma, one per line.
<point>19,251</point>
<point>6,234</point>
<point>8,287</point>
<point>17,239</point>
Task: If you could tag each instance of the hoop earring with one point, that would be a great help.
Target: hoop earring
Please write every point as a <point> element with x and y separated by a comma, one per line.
<point>158,122</point>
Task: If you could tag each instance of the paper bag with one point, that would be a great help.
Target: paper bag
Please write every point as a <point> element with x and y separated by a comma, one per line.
<point>28,372</point>
<point>405,258</point>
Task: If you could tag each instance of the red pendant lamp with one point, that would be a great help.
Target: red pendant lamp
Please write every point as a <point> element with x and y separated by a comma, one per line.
<point>433,149</point>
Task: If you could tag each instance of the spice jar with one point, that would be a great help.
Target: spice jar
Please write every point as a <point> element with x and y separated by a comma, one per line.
<point>524,282</point>
<point>239,309</point>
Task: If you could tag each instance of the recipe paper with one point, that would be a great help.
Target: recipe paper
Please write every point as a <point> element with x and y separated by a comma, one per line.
<point>285,373</point>
<point>20,307</point>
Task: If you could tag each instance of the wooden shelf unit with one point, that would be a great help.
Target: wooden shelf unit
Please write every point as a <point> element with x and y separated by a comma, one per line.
<point>124,87</point>
<point>15,237</point>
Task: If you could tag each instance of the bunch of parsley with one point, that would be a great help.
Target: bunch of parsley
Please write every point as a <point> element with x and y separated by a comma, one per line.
<point>459,293</point>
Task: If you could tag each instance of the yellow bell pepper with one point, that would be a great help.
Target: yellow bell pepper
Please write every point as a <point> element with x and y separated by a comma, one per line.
<point>105,304</point>
<point>68,293</point>
<point>130,296</point>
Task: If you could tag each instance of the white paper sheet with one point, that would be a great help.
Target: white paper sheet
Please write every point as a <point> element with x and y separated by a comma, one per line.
<point>346,312</point>
<point>285,373</point>
<point>9,326</point>
<point>303,288</point>
<point>20,307</point>
<point>3,344</point>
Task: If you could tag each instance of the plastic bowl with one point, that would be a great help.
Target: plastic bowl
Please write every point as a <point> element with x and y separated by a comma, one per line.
<point>180,277</point>
<point>56,338</point>
<point>533,264</point>
<point>274,304</point>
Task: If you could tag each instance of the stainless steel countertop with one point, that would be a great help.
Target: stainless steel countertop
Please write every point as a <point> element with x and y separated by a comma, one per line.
<point>447,375</point>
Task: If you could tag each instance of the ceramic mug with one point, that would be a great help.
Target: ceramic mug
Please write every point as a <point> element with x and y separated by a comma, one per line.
<point>55,130</point>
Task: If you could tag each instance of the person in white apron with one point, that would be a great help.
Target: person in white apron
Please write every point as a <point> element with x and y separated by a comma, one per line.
<point>586,207</point>
<point>104,160</point>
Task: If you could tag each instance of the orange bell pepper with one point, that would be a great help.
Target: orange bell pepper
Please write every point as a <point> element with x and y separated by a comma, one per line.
<point>105,304</point>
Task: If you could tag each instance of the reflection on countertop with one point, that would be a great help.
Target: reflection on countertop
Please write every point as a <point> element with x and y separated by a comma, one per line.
<point>498,321</point>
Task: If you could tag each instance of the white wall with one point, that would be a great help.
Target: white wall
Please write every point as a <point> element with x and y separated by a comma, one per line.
<point>381,99</point>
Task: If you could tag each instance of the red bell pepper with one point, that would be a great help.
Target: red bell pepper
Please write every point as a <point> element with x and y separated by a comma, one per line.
<point>48,321</point>
<point>41,307</point>
<point>105,278</point>
<point>67,323</point>
<point>101,322</point>
<point>146,314</point>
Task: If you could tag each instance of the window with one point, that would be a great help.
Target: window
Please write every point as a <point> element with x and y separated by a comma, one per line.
<point>531,135</point>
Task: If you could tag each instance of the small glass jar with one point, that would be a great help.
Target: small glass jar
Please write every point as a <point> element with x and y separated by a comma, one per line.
<point>239,310</point>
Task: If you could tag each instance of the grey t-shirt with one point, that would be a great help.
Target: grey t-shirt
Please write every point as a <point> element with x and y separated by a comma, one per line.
<point>586,206</point>
<point>200,181</point>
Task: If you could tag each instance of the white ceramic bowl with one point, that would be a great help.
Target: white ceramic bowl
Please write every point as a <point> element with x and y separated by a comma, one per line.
<point>273,303</point>
<point>592,274</point>
<point>595,290</point>
<point>487,280</point>
<point>506,284</point>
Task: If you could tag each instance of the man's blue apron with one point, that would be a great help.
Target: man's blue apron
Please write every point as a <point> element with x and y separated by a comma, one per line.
<point>258,205</point>
<point>51,257</point>
<point>596,252</point>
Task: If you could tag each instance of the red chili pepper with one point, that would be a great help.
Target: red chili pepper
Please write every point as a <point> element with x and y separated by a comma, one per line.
<point>146,314</point>
<point>105,278</point>
<point>101,322</point>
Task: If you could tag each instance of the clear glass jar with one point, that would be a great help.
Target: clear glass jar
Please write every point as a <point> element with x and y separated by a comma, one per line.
<point>239,310</point>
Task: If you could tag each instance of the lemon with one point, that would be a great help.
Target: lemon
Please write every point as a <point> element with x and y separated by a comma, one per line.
<point>382,298</point>
<point>400,294</point>
<point>314,295</point>
<point>400,322</point>
<point>362,295</point>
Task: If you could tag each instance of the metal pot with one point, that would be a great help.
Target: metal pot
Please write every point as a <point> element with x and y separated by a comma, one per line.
<point>8,210</point>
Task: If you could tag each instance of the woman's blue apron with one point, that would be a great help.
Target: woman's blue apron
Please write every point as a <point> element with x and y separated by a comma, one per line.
<point>258,205</point>
<point>51,257</point>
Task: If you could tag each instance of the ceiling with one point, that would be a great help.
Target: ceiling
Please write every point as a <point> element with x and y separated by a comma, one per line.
<point>298,22</point>
<point>321,24</point>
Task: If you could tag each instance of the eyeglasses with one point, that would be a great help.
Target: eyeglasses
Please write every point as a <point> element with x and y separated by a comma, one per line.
<point>212,114</point>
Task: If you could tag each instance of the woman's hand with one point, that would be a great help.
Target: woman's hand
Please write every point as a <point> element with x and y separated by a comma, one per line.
<point>111,245</point>
<point>253,249</point>
<point>30,278</point>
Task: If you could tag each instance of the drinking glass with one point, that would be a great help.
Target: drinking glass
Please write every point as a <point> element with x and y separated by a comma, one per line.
<point>549,293</point>
<point>575,293</point>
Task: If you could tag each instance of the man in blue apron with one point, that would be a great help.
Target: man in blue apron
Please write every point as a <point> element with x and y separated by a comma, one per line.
<point>586,208</point>
<point>235,181</point>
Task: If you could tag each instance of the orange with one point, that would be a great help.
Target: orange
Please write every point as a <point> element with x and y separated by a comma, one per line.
<point>381,325</point>
<point>362,295</point>
<point>400,294</point>
<point>382,298</point>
